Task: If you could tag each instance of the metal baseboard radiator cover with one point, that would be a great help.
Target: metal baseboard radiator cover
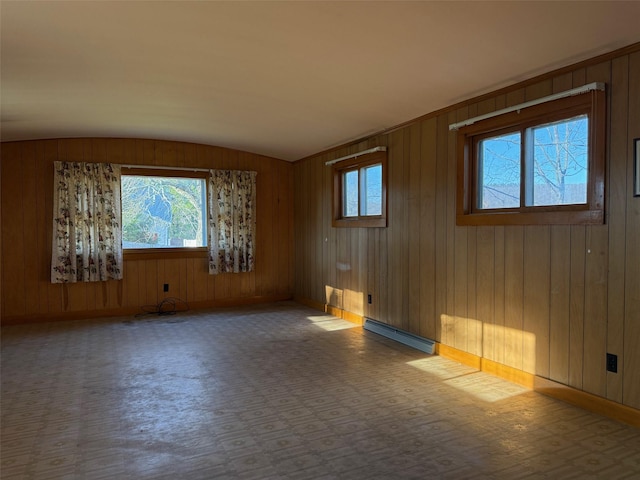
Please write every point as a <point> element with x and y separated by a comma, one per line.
<point>406,338</point>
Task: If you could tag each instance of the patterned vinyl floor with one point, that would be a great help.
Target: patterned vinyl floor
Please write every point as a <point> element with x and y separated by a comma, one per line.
<point>277,391</point>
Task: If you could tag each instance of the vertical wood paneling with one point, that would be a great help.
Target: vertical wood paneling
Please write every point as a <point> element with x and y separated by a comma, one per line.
<point>43,229</point>
<point>444,280</point>
<point>485,291</point>
<point>595,312</point>
<point>428,227</point>
<point>325,199</point>
<point>284,188</point>
<point>499,295</point>
<point>576,307</point>
<point>13,232</point>
<point>200,283</point>
<point>263,246</point>
<point>616,219</point>
<point>383,254</point>
<point>397,247</point>
<point>130,295</point>
<point>452,240</point>
<point>595,308</point>
<point>559,303</point>
<point>413,227</point>
<point>468,236</point>
<point>631,386</point>
<point>474,328</point>
<point>353,289</point>
<point>316,192</point>
<point>513,296</point>
<point>30,237</point>
<point>536,300</point>
<point>306,257</point>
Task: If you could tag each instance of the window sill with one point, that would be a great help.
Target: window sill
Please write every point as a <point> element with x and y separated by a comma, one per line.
<point>158,253</point>
<point>574,217</point>
<point>359,223</point>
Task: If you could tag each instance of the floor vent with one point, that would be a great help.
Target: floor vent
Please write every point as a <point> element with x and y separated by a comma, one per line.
<point>409,339</point>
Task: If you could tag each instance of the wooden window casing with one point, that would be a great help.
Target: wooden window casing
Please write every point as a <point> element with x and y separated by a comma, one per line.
<point>166,252</point>
<point>592,104</point>
<point>357,164</point>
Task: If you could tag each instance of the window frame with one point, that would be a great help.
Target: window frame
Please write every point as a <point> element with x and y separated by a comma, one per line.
<point>593,104</point>
<point>357,164</point>
<point>167,252</point>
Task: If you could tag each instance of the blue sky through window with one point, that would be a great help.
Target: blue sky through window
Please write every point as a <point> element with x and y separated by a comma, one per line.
<point>556,166</point>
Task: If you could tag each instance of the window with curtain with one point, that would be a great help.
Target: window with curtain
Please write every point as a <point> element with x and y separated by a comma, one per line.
<point>232,205</point>
<point>163,210</point>
<point>87,236</point>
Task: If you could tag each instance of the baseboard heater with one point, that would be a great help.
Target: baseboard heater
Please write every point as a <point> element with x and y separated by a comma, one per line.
<point>409,339</point>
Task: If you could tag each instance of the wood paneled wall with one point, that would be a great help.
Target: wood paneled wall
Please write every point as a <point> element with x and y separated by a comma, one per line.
<point>548,300</point>
<point>27,193</point>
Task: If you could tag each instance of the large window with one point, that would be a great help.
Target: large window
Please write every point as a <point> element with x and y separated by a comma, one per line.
<point>163,211</point>
<point>359,196</point>
<point>539,165</point>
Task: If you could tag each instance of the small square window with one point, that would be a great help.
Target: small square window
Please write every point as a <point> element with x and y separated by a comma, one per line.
<point>359,198</point>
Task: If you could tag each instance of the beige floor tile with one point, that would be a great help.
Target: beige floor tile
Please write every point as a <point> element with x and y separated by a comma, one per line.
<point>277,392</point>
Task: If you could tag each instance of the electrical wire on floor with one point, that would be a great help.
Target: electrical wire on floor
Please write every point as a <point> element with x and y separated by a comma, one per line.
<point>168,306</point>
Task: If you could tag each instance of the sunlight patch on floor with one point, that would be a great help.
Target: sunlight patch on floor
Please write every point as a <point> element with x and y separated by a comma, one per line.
<point>330,323</point>
<point>482,386</point>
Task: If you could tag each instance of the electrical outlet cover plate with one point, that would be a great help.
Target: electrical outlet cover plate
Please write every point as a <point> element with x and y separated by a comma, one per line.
<point>612,363</point>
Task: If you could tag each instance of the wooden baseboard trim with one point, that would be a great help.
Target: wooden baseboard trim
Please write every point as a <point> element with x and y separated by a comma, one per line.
<point>239,301</point>
<point>331,310</point>
<point>579,398</point>
<point>588,401</point>
<point>69,316</point>
<point>126,311</point>
<point>459,356</point>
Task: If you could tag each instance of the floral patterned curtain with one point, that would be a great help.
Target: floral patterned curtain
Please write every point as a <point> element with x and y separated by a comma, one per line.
<point>87,235</point>
<point>232,206</point>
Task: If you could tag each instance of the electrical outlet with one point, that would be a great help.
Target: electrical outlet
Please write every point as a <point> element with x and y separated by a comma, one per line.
<point>369,299</point>
<point>612,363</point>
<point>166,287</point>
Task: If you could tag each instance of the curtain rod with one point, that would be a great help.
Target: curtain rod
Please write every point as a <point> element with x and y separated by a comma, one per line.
<point>354,155</point>
<point>162,167</point>
<point>555,96</point>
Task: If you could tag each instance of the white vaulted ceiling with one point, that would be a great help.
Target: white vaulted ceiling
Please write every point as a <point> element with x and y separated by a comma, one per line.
<point>284,79</point>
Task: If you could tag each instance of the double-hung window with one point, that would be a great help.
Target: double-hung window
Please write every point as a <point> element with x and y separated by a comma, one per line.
<point>360,191</point>
<point>543,164</point>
